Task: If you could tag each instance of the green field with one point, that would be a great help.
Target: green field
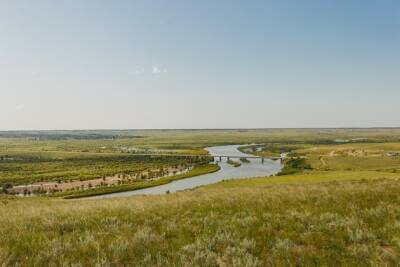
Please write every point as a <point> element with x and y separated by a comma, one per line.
<point>336,203</point>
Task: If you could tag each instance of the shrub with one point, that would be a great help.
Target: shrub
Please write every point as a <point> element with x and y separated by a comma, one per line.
<point>295,165</point>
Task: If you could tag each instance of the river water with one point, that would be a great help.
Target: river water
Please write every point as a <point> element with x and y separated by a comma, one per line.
<point>255,168</point>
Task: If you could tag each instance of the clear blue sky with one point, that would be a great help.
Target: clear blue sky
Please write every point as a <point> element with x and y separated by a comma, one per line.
<point>199,64</point>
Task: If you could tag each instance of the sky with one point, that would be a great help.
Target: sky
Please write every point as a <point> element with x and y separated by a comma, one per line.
<point>115,64</point>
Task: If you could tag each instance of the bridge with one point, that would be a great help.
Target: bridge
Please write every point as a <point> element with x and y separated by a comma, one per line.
<point>220,157</point>
<point>216,157</point>
<point>246,157</point>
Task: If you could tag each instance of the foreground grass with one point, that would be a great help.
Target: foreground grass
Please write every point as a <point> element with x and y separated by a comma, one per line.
<point>334,223</point>
<point>198,170</point>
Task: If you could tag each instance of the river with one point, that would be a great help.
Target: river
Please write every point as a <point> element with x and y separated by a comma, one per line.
<point>255,168</point>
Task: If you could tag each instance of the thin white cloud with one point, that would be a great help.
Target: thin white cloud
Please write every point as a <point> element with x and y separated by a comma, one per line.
<point>19,107</point>
<point>142,70</point>
<point>157,70</point>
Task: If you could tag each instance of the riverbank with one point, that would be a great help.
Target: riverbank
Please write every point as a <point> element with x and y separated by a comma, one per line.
<point>196,171</point>
<point>44,188</point>
<point>254,168</point>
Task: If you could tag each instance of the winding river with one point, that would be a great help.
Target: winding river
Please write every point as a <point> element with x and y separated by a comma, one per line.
<point>255,168</point>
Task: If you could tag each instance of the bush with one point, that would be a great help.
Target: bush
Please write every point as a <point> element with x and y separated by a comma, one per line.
<point>295,165</point>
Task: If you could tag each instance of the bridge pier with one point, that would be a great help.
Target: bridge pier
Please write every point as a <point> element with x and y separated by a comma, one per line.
<point>262,160</point>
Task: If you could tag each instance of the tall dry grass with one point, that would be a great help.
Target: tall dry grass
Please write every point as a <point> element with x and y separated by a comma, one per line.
<point>338,223</point>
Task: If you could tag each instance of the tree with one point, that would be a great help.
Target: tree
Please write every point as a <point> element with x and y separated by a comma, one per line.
<point>6,187</point>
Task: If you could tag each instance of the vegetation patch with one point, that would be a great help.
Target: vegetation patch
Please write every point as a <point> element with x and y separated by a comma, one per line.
<point>244,160</point>
<point>46,166</point>
<point>234,163</point>
<point>271,149</point>
<point>294,165</point>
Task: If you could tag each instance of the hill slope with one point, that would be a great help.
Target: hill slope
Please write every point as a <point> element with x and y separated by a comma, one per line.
<point>337,222</point>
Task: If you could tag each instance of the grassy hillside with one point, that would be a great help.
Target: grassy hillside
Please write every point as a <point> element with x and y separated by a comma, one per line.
<point>341,207</point>
<point>249,222</point>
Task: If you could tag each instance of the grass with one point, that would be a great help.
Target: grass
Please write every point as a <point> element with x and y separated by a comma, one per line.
<point>276,225</point>
<point>343,212</point>
<point>363,156</point>
<point>309,177</point>
<point>198,170</point>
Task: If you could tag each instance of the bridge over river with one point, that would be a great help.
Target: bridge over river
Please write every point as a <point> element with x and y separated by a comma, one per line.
<point>215,156</point>
<point>253,168</point>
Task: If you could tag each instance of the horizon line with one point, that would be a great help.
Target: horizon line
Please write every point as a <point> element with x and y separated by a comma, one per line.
<point>205,129</point>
